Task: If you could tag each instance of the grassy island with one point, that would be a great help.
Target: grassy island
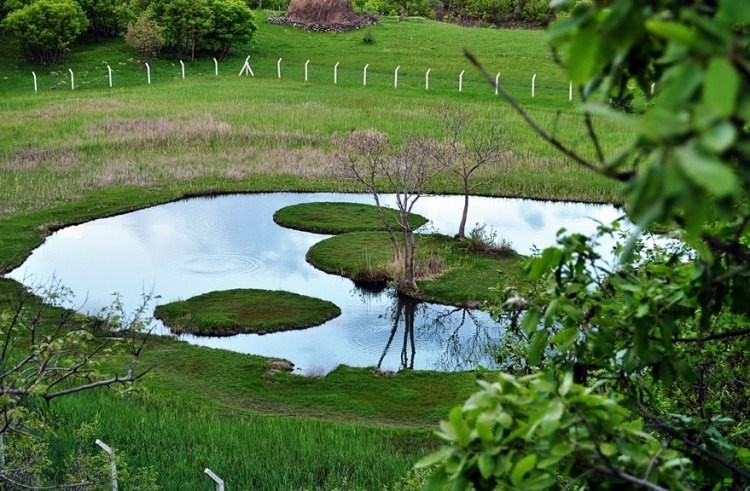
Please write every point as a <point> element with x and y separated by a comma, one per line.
<point>339,218</point>
<point>448,271</point>
<point>225,313</point>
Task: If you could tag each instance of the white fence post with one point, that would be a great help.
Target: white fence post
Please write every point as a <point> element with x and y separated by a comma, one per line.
<point>72,80</point>
<point>306,64</point>
<point>570,91</point>
<point>182,69</point>
<point>216,67</point>
<point>218,482</point>
<point>148,74</point>
<point>246,70</point>
<point>533,85</point>
<point>427,79</point>
<point>395,77</point>
<point>35,86</point>
<point>112,463</point>
<point>364,75</point>
<point>109,75</point>
<point>497,83</point>
<point>278,68</point>
<point>461,81</point>
<point>336,72</point>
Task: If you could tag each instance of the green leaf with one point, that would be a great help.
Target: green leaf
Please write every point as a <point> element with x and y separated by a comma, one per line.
<point>565,337</point>
<point>434,458</point>
<point>582,58</point>
<point>437,481</point>
<point>522,468</point>
<point>721,86</point>
<point>566,384</point>
<point>486,464</point>
<point>531,321</point>
<point>719,138</point>
<point>608,449</point>
<point>673,31</point>
<point>538,343</point>
<point>458,423</point>
<point>734,12</point>
<point>706,171</point>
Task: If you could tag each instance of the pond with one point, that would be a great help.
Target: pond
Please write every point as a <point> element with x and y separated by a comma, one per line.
<point>182,249</point>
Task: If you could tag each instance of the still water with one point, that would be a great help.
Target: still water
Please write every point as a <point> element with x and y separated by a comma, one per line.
<point>182,249</point>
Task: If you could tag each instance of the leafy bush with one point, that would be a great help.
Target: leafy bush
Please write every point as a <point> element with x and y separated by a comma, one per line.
<point>45,29</point>
<point>232,23</point>
<point>107,18</point>
<point>210,26</point>
<point>535,11</point>
<point>145,36</point>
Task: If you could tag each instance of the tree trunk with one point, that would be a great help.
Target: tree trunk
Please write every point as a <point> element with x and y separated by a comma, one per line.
<point>462,226</point>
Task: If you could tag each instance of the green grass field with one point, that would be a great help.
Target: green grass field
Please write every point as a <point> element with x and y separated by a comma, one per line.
<point>70,156</point>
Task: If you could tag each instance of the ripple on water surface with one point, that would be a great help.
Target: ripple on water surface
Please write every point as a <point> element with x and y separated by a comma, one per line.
<point>218,264</point>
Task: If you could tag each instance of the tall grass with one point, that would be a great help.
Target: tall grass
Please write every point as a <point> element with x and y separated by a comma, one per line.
<point>255,452</point>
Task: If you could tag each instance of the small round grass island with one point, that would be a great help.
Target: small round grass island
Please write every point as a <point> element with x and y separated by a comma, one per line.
<point>244,311</point>
<point>340,218</point>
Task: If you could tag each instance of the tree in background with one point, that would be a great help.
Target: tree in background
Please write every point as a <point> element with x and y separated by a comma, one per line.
<point>145,36</point>
<point>637,369</point>
<point>210,26</point>
<point>465,149</point>
<point>46,29</point>
<point>233,23</point>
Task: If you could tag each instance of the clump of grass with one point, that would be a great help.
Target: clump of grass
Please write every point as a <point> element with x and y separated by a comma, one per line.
<point>484,240</point>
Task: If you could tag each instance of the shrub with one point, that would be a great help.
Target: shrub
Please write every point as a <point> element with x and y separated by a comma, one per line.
<point>484,240</point>
<point>535,11</point>
<point>233,23</point>
<point>368,38</point>
<point>145,36</point>
<point>45,29</point>
<point>185,22</point>
<point>107,18</point>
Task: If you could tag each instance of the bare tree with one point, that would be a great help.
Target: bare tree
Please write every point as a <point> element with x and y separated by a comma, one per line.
<point>467,147</point>
<point>367,157</point>
<point>47,352</point>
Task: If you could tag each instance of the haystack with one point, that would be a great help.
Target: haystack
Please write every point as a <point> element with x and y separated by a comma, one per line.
<point>321,11</point>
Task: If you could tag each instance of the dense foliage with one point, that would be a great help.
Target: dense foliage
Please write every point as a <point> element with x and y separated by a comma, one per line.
<point>639,365</point>
<point>489,12</point>
<point>45,29</point>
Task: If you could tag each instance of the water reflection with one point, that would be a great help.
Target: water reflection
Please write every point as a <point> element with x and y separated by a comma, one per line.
<point>194,246</point>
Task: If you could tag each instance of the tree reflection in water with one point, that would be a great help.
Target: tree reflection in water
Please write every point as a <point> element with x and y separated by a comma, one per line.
<point>468,338</point>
